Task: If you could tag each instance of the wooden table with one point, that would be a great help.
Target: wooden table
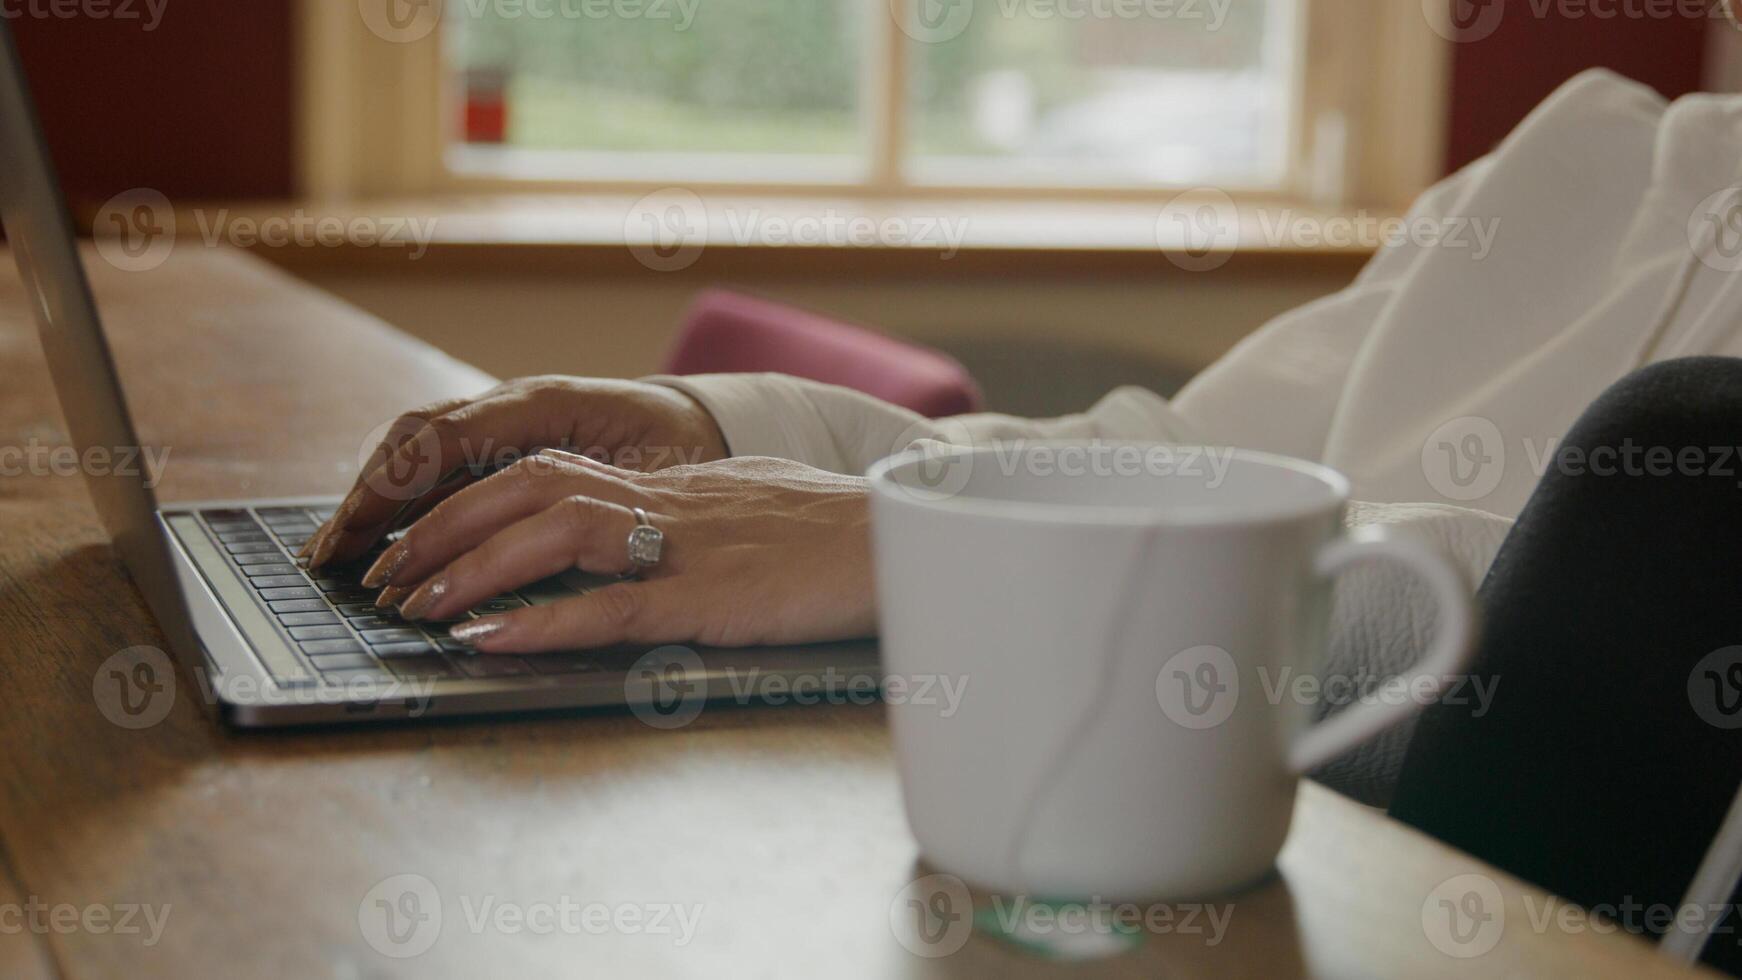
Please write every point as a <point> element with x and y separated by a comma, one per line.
<point>783,825</point>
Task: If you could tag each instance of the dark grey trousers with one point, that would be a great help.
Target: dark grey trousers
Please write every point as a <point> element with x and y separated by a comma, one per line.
<point>1613,746</point>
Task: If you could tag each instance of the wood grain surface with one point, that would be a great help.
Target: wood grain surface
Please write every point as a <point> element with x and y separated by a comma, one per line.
<point>780,829</point>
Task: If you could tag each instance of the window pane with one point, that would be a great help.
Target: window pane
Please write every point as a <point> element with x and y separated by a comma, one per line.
<point>588,89</point>
<point>1104,92</point>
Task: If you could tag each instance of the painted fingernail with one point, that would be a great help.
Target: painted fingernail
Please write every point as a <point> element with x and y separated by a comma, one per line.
<point>387,566</point>
<point>425,598</point>
<point>477,629</point>
<point>392,596</point>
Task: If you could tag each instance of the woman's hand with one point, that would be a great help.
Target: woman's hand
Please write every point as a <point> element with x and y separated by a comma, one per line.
<point>428,454</point>
<point>756,551</point>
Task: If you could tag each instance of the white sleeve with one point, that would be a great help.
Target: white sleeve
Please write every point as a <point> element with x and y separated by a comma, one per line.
<point>845,431</point>
<point>1279,389</point>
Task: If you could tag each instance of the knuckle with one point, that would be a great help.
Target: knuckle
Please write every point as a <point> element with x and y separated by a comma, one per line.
<point>501,481</point>
<point>558,459</point>
<point>543,390</point>
<point>397,431</point>
<point>527,471</point>
<point>427,410</point>
<point>431,437</point>
<point>503,484</point>
<point>443,426</point>
<point>430,527</point>
<point>580,510</point>
<point>536,620</point>
<point>384,450</point>
<point>682,474</point>
<point>578,514</point>
<point>546,399</point>
<point>619,609</point>
<point>480,565</point>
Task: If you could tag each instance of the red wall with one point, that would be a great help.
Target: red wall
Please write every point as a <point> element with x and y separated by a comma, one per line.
<point>198,107</point>
<point>1497,80</point>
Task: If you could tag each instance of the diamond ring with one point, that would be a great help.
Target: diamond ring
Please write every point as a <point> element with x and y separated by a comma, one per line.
<point>646,543</point>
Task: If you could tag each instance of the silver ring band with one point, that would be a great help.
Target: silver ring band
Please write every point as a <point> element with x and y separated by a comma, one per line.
<point>646,543</point>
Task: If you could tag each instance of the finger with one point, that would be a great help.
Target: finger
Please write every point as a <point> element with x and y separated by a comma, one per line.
<point>593,463</point>
<point>410,515</point>
<point>408,424</point>
<point>404,428</point>
<point>400,430</point>
<point>421,507</point>
<point>577,532</point>
<point>628,613</point>
<point>471,516</point>
<point>443,449</point>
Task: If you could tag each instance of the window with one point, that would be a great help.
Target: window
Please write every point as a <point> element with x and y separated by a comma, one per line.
<point>1137,93</point>
<point>1148,94</point>
<point>703,89</point>
<point>984,98</point>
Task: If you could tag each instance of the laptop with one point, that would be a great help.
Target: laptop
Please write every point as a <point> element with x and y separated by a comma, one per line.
<point>270,643</point>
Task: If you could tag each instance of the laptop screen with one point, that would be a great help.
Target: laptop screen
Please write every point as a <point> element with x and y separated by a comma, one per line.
<point>39,234</point>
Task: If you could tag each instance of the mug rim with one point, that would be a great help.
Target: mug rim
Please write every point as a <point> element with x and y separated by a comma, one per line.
<point>883,483</point>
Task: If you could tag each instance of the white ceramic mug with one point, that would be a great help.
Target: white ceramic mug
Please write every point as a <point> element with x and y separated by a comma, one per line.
<point>1122,622</point>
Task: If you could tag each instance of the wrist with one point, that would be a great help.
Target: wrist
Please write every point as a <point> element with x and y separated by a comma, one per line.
<point>709,437</point>
<point>764,415</point>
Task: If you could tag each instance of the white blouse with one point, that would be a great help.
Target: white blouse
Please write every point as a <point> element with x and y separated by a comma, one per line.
<point>1441,380</point>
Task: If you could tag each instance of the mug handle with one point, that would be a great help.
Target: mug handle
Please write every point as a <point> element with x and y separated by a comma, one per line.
<point>1449,653</point>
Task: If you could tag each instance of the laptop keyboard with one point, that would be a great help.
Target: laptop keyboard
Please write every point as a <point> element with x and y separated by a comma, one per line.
<point>333,620</point>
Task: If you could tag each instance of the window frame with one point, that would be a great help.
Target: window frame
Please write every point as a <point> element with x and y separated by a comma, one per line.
<point>1367,125</point>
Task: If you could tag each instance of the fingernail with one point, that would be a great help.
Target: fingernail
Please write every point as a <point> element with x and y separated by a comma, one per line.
<point>477,629</point>
<point>311,544</point>
<point>391,596</point>
<point>324,550</point>
<point>425,598</point>
<point>387,566</point>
